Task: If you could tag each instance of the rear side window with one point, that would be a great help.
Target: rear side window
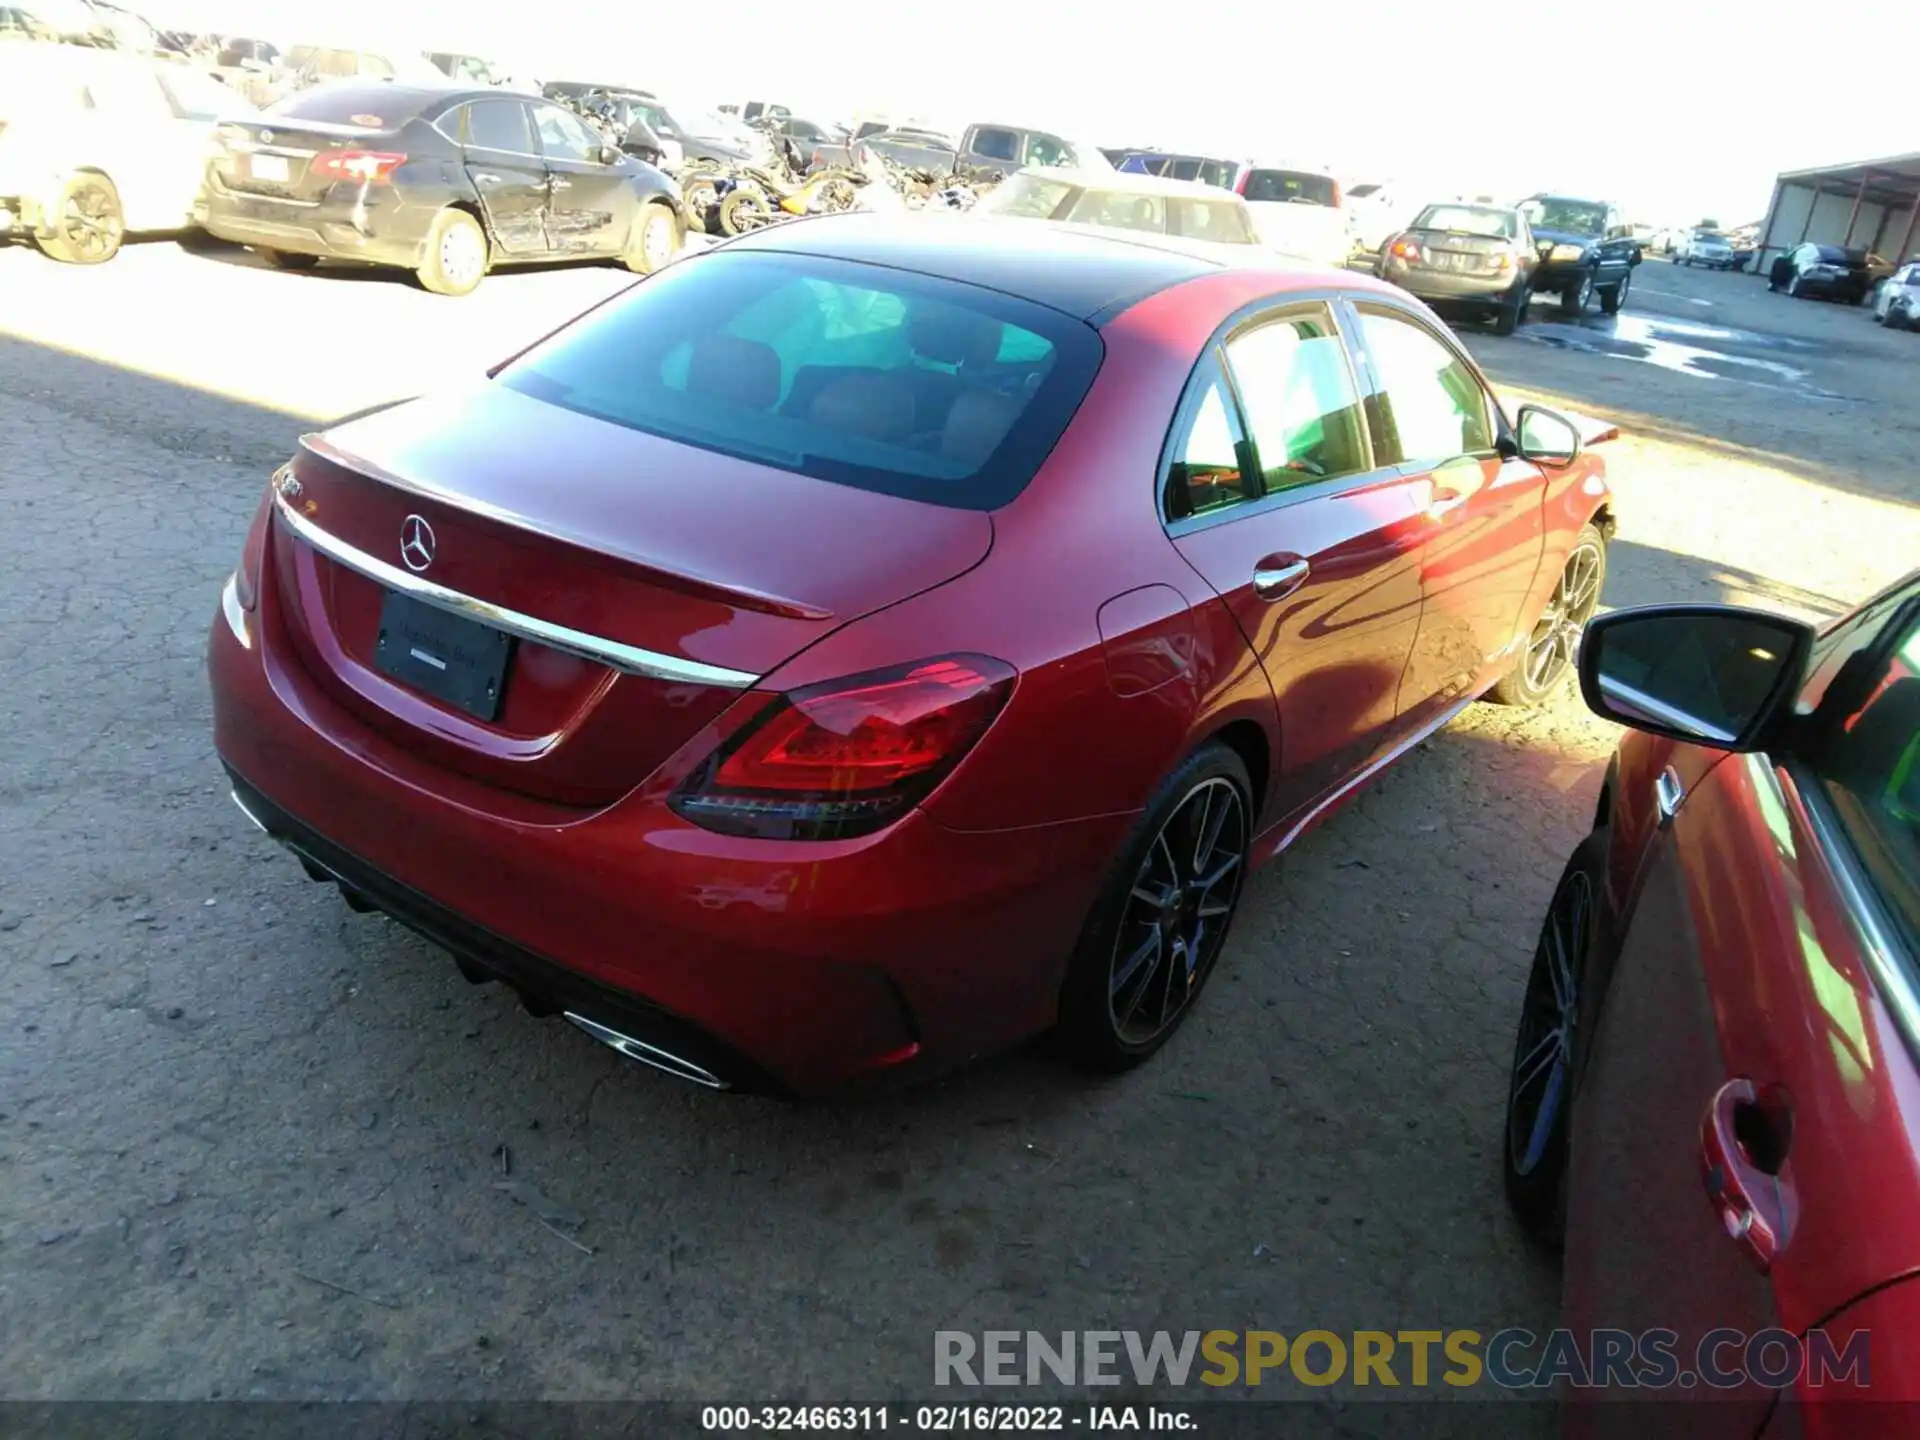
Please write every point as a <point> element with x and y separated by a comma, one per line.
<point>996,144</point>
<point>1283,185</point>
<point>1301,403</point>
<point>863,375</point>
<point>499,125</point>
<point>1027,197</point>
<point>1206,474</point>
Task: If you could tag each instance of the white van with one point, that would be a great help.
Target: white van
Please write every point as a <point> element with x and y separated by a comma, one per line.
<point>1299,212</point>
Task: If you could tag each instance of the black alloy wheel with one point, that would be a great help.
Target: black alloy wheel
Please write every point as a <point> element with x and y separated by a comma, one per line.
<point>1177,912</point>
<point>1540,1081</point>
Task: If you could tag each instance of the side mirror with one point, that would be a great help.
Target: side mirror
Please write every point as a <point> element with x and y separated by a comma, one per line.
<point>611,154</point>
<point>1547,437</point>
<point>1715,675</point>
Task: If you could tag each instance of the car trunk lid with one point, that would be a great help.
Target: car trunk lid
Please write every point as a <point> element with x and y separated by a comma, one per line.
<point>642,583</point>
<point>299,159</point>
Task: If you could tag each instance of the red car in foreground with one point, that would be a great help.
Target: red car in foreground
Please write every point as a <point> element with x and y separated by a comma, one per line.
<point>870,642</point>
<point>1716,1086</point>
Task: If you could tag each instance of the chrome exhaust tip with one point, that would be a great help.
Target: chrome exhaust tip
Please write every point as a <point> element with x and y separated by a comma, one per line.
<point>675,1065</point>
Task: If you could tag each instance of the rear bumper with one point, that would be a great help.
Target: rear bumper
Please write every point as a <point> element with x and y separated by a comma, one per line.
<point>810,968</point>
<point>378,227</point>
<point>1444,286</point>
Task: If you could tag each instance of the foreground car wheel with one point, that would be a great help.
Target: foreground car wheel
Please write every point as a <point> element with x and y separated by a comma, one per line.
<point>1548,656</point>
<point>1540,1083</point>
<point>456,254</point>
<point>86,226</point>
<point>1157,929</point>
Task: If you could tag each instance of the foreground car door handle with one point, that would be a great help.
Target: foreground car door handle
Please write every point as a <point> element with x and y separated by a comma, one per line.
<point>1278,576</point>
<point>1744,1140</point>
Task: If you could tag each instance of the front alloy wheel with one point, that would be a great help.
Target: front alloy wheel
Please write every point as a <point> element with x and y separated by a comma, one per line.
<point>1553,645</point>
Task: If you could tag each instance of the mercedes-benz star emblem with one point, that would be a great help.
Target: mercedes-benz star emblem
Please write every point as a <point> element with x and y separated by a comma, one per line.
<point>416,542</point>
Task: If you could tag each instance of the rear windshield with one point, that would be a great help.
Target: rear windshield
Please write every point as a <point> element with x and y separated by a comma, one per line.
<point>366,107</point>
<point>1283,185</point>
<point>1469,220</point>
<point>862,375</point>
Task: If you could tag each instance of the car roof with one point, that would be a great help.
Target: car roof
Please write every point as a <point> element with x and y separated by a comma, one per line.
<point>1130,181</point>
<point>1077,269</point>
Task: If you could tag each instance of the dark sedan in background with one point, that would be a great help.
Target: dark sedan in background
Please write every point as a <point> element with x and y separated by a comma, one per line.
<point>445,183</point>
<point>1824,272</point>
<point>1585,248</point>
<point>1477,258</point>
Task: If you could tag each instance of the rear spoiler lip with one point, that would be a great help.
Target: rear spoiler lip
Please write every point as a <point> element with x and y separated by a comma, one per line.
<point>741,596</point>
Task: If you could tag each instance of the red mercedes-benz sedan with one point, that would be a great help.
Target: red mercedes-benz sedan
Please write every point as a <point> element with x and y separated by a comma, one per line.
<point>873,642</point>
<point>1715,1097</point>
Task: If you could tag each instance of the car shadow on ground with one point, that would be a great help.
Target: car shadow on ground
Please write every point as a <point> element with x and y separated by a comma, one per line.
<point>1648,575</point>
<point>206,247</point>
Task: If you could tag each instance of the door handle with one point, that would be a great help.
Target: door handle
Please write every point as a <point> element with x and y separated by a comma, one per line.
<point>1278,576</point>
<point>1668,791</point>
<point>486,177</point>
<point>1744,1140</point>
<point>1444,503</point>
<point>554,182</point>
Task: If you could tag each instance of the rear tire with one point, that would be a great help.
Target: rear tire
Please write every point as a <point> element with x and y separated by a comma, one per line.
<point>288,260</point>
<point>1156,930</point>
<point>655,241</point>
<point>456,254</point>
<point>1534,1146</point>
<point>1513,314</point>
<point>87,222</point>
<point>1547,655</point>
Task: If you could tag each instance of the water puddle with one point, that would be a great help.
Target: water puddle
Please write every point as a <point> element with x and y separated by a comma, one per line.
<point>1699,351</point>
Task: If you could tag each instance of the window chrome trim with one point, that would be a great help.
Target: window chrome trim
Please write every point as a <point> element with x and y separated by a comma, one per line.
<point>1880,950</point>
<point>628,658</point>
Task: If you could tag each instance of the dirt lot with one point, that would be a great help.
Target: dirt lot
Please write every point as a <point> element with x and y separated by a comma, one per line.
<point>259,1146</point>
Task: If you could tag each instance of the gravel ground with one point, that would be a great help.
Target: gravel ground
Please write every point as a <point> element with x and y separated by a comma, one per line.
<point>259,1146</point>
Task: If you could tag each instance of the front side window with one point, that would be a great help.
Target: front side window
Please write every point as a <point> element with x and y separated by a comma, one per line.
<point>1867,761</point>
<point>1299,187</point>
<point>1205,475</point>
<point>562,137</point>
<point>1048,150</point>
<point>1432,405</point>
<point>1303,411</point>
<point>862,375</point>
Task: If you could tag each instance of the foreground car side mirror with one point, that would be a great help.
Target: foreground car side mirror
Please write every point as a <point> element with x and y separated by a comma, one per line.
<point>611,154</point>
<point>1546,437</point>
<point>1715,675</point>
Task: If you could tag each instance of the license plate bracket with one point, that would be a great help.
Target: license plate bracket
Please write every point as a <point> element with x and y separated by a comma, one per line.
<point>447,656</point>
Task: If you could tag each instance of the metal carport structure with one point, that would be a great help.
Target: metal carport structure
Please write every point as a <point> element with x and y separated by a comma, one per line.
<point>1869,205</point>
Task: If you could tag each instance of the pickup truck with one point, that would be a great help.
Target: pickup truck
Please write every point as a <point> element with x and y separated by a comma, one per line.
<point>1585,248</point>
<point>1006,148</point>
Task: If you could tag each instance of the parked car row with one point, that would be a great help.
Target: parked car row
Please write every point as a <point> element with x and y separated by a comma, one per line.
<point>1492,260</point>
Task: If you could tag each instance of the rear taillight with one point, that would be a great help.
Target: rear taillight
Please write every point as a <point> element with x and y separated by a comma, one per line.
<point>363,167</point>
<point>848,757</point>
<point>1406,249</point>
<point>1501,260</point>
